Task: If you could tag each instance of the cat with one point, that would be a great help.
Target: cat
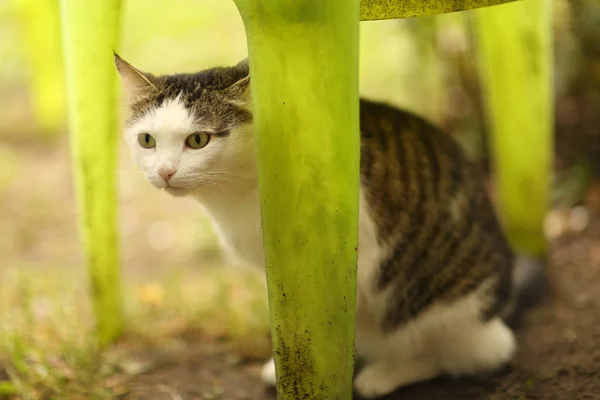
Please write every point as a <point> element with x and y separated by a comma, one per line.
<point>436,281</point>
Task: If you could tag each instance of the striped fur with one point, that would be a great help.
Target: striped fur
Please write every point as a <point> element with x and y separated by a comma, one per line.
<point>434,267</point>
<point>430,206</point>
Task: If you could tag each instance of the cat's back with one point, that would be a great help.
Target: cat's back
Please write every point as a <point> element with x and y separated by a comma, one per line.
<point>432,213</point>
<point>409,164</point>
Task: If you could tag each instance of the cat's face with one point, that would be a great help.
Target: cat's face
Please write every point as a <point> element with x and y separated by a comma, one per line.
<point>190,133</point>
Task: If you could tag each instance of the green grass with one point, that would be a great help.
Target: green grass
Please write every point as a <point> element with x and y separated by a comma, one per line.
<point>46,344</point>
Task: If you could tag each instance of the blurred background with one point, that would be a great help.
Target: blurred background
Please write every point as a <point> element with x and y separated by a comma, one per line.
<point>427,65</point>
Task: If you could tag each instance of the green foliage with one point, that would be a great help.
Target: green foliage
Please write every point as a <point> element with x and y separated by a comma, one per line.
<point>516,69</point>
<point>386,9</point>
<point>304,66</point>
<point>47,340</point>
<point>8,389</point>
<point>90,32</point>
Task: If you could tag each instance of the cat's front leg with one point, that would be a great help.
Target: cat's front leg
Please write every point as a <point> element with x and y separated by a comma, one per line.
<point>268,373</point>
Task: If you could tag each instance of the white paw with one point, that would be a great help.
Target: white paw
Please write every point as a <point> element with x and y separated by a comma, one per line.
<point>268,373</point>
<point>371,382</point>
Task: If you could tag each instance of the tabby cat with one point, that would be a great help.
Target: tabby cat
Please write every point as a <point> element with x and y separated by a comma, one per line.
<point>435,273</point>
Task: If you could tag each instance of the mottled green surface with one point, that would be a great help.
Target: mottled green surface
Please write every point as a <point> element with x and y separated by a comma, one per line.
<point>515,53</point>
<point>90,32</point>
<point>388,9</point>
<point>304,68</point>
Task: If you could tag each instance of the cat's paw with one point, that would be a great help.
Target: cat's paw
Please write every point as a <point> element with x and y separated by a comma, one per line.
<point>382,377</point>
<point>371,382</point>
<point>268,373</point>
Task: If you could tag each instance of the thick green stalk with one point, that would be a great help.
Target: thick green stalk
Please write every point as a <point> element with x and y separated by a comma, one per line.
<point>304,72</point>
<point>40,27</point>
<point>516,70</point>
<point>90,32</point>
<point>389,9</point>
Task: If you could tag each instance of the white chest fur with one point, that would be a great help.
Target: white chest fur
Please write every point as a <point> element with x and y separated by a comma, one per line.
<point>236,220</point>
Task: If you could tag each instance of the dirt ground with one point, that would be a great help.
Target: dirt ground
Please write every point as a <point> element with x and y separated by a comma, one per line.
<point>559,356</point>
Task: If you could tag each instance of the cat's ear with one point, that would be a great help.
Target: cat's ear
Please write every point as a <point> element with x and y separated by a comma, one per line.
<point>137,84</point>
<point>239,92</point>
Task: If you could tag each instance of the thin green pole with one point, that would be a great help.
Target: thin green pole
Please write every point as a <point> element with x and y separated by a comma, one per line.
<point>40,28</point>
<point>390,9</point>
<point>90,32</point>
<point>304,73</point>
<point>515,52</point>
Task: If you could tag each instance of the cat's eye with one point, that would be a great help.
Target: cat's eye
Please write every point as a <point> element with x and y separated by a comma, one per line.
<point>146,140</point>
<point>197,140</point>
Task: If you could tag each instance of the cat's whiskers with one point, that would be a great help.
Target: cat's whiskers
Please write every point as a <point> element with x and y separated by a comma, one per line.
<point>223,175</point>
<point>198,180</point>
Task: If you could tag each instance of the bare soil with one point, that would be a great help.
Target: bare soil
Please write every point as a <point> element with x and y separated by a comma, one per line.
<point>559,356</point>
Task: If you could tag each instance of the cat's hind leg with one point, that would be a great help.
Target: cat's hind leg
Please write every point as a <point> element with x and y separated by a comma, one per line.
<point>446,340</point>
<point>482,347</point>
<point>268,373</point>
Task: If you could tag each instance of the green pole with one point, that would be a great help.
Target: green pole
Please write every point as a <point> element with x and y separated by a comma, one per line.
<point>390,9</point>
<point>40,26</point>
<point>304,73</point>
<point>90,32</point>
<point>515,53</point>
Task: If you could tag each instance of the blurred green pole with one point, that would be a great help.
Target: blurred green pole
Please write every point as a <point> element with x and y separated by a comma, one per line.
<point>304,72</point>
<point>90,32</point>
<point>425,71</point>
<point>515,52</point>
<point>40,25</point>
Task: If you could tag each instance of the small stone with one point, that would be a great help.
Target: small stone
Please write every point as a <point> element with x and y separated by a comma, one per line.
<point>579,219</point>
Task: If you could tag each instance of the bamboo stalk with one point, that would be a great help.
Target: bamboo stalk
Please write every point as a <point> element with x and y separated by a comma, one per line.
<point>304,72</point>
<point>90,32</point>
<point>515,54</point>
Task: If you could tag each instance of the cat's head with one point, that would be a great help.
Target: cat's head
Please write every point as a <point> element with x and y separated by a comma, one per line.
<point>190,133</point>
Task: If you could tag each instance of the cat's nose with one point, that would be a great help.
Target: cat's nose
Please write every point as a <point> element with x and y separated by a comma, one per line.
<point>166,173</point>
